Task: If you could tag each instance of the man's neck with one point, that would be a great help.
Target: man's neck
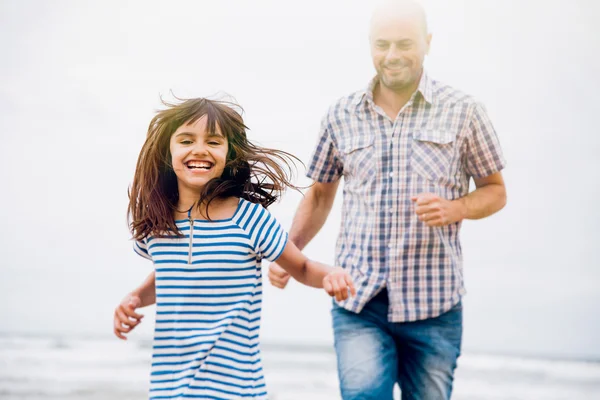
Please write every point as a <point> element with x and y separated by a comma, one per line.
<point>392,101</point>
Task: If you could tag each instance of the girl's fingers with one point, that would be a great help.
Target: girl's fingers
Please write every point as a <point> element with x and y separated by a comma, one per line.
<point>342,291</point>
<point>336,289</point>
<point>327,286</point>
<point>119,335</point>
<point>124,318</point>
<point>119,328</point>
<point>130,311</point>
<point>350,284</point>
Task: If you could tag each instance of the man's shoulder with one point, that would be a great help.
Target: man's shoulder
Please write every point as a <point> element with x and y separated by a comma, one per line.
<point>346,103</point>
<point>447,95</point>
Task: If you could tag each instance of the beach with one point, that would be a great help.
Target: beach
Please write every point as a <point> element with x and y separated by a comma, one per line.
<point>55,367</point>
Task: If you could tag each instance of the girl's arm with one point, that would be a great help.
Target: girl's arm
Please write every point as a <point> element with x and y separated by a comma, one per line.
<point>146,292</point>
<point>125,318</point>
<point>334,280</point>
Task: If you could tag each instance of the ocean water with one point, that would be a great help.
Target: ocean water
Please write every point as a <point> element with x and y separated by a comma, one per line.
<point>40,368</point>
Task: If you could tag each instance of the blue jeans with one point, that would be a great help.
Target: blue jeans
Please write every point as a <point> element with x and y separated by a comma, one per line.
<point>374,354</point>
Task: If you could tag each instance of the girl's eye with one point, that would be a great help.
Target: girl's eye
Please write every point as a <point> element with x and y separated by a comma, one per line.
<point>186,142</point>
<point>214,143</point>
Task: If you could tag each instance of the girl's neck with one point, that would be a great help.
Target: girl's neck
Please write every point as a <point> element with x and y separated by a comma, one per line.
<point>219,208</point>
<point>187,199</point>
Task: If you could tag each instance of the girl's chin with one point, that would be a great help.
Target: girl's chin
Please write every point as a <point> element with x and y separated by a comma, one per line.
<point>192,188</point>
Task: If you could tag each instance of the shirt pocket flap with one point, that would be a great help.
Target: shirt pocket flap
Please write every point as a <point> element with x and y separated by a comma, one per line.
<point>434,136</point>
<point>356,143</point>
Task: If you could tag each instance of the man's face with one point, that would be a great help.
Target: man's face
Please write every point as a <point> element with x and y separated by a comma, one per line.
<point>398,47</point>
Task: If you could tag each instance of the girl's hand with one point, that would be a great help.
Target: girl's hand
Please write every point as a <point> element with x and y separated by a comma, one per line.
<point>337,283</point>
<point>125,316</point>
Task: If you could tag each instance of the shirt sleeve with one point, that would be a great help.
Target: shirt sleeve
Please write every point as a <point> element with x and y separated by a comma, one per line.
<point>484,155</point>
<point>141,248</point>
<point>325,165</point>
<point>269,236</point>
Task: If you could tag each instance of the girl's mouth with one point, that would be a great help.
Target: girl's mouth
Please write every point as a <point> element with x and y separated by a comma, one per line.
<point>199,165</point>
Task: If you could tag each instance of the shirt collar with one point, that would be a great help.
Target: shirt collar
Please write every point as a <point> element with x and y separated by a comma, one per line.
<point>425,88</point>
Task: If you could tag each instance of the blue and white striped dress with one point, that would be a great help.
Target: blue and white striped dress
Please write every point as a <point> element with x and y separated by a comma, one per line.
<point>208,305</point>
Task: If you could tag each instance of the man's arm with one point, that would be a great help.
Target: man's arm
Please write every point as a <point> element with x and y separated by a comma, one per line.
<point>488,198</point>
<point>308,221</point>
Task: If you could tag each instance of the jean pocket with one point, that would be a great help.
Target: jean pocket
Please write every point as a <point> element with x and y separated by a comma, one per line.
<point>432,154</point>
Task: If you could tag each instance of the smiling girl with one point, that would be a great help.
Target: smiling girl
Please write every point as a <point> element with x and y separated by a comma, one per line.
<point>198,212</point>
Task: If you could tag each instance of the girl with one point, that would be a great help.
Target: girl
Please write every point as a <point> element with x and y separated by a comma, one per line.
<point>198,212</point>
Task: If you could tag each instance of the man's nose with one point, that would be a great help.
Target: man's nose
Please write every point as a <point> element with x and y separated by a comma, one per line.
<point>393,53</point>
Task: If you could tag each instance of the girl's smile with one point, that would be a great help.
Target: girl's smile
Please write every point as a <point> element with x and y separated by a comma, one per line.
<point>197,155</point>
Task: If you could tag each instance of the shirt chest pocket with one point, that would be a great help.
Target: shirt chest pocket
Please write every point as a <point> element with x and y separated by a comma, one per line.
<point>360,161</point>
<point>433,153</point>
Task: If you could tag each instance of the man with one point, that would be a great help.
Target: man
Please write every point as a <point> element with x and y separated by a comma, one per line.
<point>407,147</point>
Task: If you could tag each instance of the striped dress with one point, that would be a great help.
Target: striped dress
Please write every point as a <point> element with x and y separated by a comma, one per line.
<point>208,305</point>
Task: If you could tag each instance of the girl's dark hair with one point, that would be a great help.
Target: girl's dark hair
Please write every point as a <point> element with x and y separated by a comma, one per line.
<point>254,173</point>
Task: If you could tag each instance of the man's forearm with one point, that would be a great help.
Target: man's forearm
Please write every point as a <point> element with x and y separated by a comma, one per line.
<point>312,213</point>
<point>483,202</point>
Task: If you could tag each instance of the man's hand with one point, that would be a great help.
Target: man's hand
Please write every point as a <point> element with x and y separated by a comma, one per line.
<point>436,211</point>
<point>126,318</point>
<point>337,283</point>
<point>277,276</point>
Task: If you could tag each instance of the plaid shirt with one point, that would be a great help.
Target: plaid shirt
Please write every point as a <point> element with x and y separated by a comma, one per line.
<point>439,140</point>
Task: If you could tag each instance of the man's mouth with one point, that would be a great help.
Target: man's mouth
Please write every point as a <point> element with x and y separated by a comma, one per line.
<point>199,165</point>
<point>394,67</point>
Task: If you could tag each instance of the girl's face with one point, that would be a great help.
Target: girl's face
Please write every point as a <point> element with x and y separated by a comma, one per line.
<point>197,156</point>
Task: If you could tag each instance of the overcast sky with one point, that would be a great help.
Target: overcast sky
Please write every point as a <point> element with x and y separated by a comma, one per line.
<point>80,80</point>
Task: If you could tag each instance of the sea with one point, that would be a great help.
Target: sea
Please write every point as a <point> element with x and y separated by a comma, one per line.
<point>83,368</point>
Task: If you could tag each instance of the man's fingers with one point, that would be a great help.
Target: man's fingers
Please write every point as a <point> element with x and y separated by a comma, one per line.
<point>420,210</point>
<point>279,284</point>
<point>424,198</point>
<point>429,217</point>
<point>278,280</point>
<point>437,222</point>
<point>277,271</point>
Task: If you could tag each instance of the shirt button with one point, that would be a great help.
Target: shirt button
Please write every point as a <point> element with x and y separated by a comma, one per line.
<point>390,246</point>
<point>391,174</point>
<point>392,210</point>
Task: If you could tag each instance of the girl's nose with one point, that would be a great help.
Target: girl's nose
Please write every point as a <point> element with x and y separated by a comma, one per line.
<point>200,149</point>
